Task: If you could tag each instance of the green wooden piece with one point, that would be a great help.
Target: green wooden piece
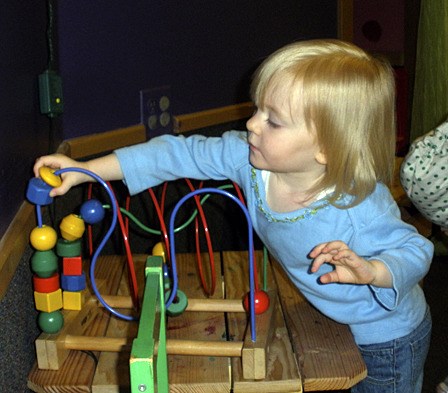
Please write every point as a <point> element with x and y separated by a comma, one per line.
<point>149,371</point>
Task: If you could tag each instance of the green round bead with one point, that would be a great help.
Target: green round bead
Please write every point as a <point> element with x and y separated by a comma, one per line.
<point>50,322</point>
<point>44,263</point>
<point>179,304</point>
<point>66,248</point>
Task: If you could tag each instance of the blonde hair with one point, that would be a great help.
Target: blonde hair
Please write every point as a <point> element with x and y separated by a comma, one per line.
<point>348,98</point>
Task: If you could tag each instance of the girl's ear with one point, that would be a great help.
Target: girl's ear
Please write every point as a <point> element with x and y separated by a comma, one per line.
<point>321,158</point>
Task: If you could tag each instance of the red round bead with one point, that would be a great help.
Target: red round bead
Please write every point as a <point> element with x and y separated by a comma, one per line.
<point>261,302</point>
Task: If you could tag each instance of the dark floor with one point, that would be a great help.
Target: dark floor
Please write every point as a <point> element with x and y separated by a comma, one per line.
<point>436,290</point>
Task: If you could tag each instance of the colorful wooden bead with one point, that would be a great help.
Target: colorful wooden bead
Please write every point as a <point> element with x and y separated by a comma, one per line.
<point>72,227</point>
<point>67,248</point>
<point>46,285</point>
<point>73,300</point>
<point>73,283</point>
<point>179,304</point>
<point>72,266</point>
<point>159,250</point>
<point>48,302</point>
<point>92,211</point>
<point>50,322</point>
<point>38,192</point>
<point>48,176</point>
<point>261,302</point>
<point>43,238</point>
<point>44,263</point>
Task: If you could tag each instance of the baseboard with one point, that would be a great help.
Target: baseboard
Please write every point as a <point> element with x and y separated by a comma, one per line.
<point>211,117</point>
<point>94,144</point>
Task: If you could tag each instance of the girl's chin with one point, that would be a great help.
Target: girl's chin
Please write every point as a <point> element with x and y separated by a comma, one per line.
<point>256,163</point>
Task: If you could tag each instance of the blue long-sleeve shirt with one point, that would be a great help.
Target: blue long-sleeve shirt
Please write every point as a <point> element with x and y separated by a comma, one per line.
<point>373,229</point>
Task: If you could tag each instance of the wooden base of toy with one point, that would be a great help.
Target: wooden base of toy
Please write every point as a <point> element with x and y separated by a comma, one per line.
<point>218,364</point>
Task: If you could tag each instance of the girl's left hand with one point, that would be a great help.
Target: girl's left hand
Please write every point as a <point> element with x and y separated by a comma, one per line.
<point>348,266</point>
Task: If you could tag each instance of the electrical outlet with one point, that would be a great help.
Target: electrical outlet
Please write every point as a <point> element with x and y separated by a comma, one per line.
<point>155,111</point>
<point>50,94</point>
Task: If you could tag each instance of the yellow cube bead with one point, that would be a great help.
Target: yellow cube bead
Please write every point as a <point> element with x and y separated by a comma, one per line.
<point>48,302</point>
<point>73,300</point>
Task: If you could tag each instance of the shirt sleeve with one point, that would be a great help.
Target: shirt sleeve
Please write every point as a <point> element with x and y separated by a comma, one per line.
<point>171,157</point>
<point>382,235</point>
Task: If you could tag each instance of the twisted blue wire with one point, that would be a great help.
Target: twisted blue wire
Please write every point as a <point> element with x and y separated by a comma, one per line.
<point>103,241</point>
<point>250,241</point>
<point>39,216</point>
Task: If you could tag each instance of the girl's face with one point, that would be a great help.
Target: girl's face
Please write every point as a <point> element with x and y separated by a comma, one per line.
<point>279,139</point>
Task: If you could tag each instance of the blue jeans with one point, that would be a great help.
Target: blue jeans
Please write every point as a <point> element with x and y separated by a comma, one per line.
<point>396,366</point>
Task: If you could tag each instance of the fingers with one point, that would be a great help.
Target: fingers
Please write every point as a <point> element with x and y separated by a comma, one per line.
<point>328,278</point>
<point>328,253</point>
<point>58,191</point>
<point>330,247</point>
<point>56,161</point>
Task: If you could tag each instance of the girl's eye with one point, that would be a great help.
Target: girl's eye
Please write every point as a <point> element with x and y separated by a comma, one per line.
<point>272,124</point>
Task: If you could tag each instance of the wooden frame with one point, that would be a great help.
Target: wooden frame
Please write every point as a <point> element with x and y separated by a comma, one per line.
<point>345,20</point>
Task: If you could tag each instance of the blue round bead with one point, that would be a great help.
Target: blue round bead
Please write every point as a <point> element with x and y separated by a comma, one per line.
<point>92,211</point>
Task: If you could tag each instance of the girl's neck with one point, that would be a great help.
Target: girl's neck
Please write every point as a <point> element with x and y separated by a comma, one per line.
<point>290,192</point>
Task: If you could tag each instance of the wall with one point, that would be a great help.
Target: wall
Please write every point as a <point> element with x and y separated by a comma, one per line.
<point>204,50</point>
<point>109,50</point>
<point>378,25</point>
<point>24,132</point>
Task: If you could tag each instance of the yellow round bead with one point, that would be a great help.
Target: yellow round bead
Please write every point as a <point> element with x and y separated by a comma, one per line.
<point>72,227</point>
<point>48,176</point>
<point>159,250</point>
<point>43,238</point>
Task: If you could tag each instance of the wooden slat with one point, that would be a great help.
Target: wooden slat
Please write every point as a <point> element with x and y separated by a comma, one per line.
<point>255,353</point>
<point>345,20</point>
<point>210,117</point>
<point>100,143</point>
<point>112,373</point>
<point>282,370</point>
<point>201,305</point>
<point>198,373</point>
<point>327,354</point>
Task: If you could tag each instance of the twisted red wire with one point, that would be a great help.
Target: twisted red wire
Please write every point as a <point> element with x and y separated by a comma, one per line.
<point>209,245</point>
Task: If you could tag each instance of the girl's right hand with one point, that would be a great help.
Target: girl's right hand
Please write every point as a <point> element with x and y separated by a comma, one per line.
<point>69,179</point>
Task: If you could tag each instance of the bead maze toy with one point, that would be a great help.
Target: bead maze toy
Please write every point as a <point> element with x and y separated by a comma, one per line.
<point>162,300</point>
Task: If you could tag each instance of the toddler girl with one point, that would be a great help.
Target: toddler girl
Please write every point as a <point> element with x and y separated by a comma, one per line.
<point>314,166</point>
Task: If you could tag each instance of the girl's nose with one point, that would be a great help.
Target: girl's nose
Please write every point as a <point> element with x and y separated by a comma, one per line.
<point>251,124</point>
